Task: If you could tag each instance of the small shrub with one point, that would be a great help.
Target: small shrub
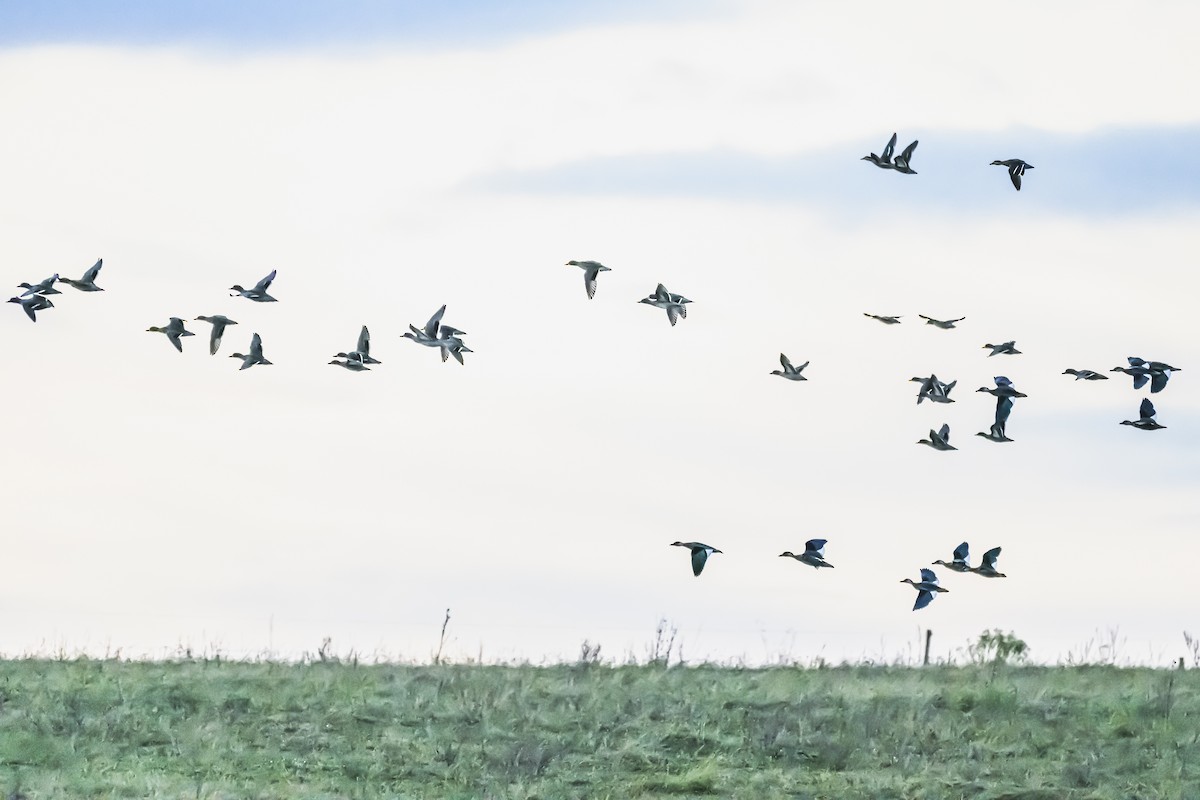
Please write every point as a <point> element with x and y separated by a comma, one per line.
<point>998,647</point>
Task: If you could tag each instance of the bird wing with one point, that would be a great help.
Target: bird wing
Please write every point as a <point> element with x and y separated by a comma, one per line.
<point>1147,408</point>
<point>1158,381</point>
<point>431,327</point>
<point>928,575</point>
<point>786,362</point>
<point>891,148</point>
<point>815,547</point>
<point>1002,381</point>
<point>962,553</point>
<point>256,346</point>
<point>989,558</point>
<point>1014,174</point>
<point>1140,379</point>
<point>91,274</point>
<point>944,433</point>
<point>364,342</point>
<point>262,286</point>
<point>1003,409</point>
<point>924,598</point>
<point>174,337</point>
<point>214,339</point>
<point>673,315</point>
<point>589,282</point>
<point>908,151</point>
<point>699,556</point>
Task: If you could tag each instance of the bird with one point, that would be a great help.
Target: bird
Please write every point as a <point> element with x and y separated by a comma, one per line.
<point>997,433</point>
<point>353,362</point>
<point>45,287</point>
<point>258,293</point>
<point>255,356</point>
<point>444,337</point>
<point>884,161</point>
<point>1085,374</point>
<point>987,567</point>
<point>901,163</point>
<point>32,304</point>
<point>591,269</point>
<point>174,330</point>
<point>1004,388</point>
<point>886,320</point>
<point>790,372</point>
<point>1145,420</point>
<point>939,440</point>
<point>933,389</point>
<point>1016,168</point>
<point>1006,348</point>
<point>88,282</point>
<point>1158,371</point>
<point>959,561</point>
<point>362,352</point>
<point>700,554</point>
<point>813,555</point>
<point>1140,375</point>
<point>944,324</point>
<point>218,322</point>
<point>673,304</point>
<point>926,588</point>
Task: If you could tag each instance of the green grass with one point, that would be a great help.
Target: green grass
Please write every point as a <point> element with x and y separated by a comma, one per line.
<point>114,729</point>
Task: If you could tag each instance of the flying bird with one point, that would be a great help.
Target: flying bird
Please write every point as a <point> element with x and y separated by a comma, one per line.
<point>32,304</point>
<point>926,588</point>
<point>1145,420</point>
<point>591,270</point>
<point>353,362</point>
<point>45,287</point>
<point>944,324</point>
<point>1158,372</point>
<point>813,555</point>
<point>444,337</point>
<point>932,389</point>
<point>958,563</point>
<point>996,433</point>
<point>1006,348</point>
<point>886,320</point>
<point>884,161</point>
<point>174,330</point>
<point>939,439</point>
<point>255,356</point>
<point>1016,168</point>
<point>259,291</point>
<point>218,322</point>
<point>362,352</point>
<point>700,554</point>
<point>987,567</point>
<point>88,282</point>
<point>790,372</point>
<point>1085,374</point>
<point>674,304</point>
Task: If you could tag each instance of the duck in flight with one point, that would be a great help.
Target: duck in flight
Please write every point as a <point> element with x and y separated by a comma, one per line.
<point>174,330</point>
<point>1016,168</point>
<point>674,304</point>
<point>1157,371</point>
<point>1145,420</point>
<point>218,322</point>
<point>886,320</point>
<point>939,439</point>
<point>1085,374</point>
<point>932,389</point>
<point>1005,348</point>
<point>255,356</point>
<point>996,433</point>
<point>926,588</point>
<point>958,562</point>
<point>987,567</point>
<point>944,324</point>
<point>901,164</point>
<point>353,362</point>
<point>591,270</point>
<point>88,282</point>
<point>700,554</point>
<point>790,372</point>
<point>362,352</point>
<point>258,293</point>
<point>884,161</point>
<point>32,304</point>
<point>813,555</point>
<point>444,337</point>
<point>43,288</point>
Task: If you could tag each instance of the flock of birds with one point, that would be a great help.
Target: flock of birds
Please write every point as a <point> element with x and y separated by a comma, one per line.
<point>448,341</point>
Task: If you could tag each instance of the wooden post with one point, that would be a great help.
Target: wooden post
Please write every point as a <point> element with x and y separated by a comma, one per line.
<point>928,636</point>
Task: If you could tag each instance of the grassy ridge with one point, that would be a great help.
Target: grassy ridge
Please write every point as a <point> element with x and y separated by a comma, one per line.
<point>85,728</point>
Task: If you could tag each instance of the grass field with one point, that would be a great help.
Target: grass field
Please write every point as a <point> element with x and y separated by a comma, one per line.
<point>196,729</point>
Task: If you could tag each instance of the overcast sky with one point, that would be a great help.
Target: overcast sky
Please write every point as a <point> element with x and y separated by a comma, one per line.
<point>387,158</point>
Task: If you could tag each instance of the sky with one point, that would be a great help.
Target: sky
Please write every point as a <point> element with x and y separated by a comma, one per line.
<point>388,158</point>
